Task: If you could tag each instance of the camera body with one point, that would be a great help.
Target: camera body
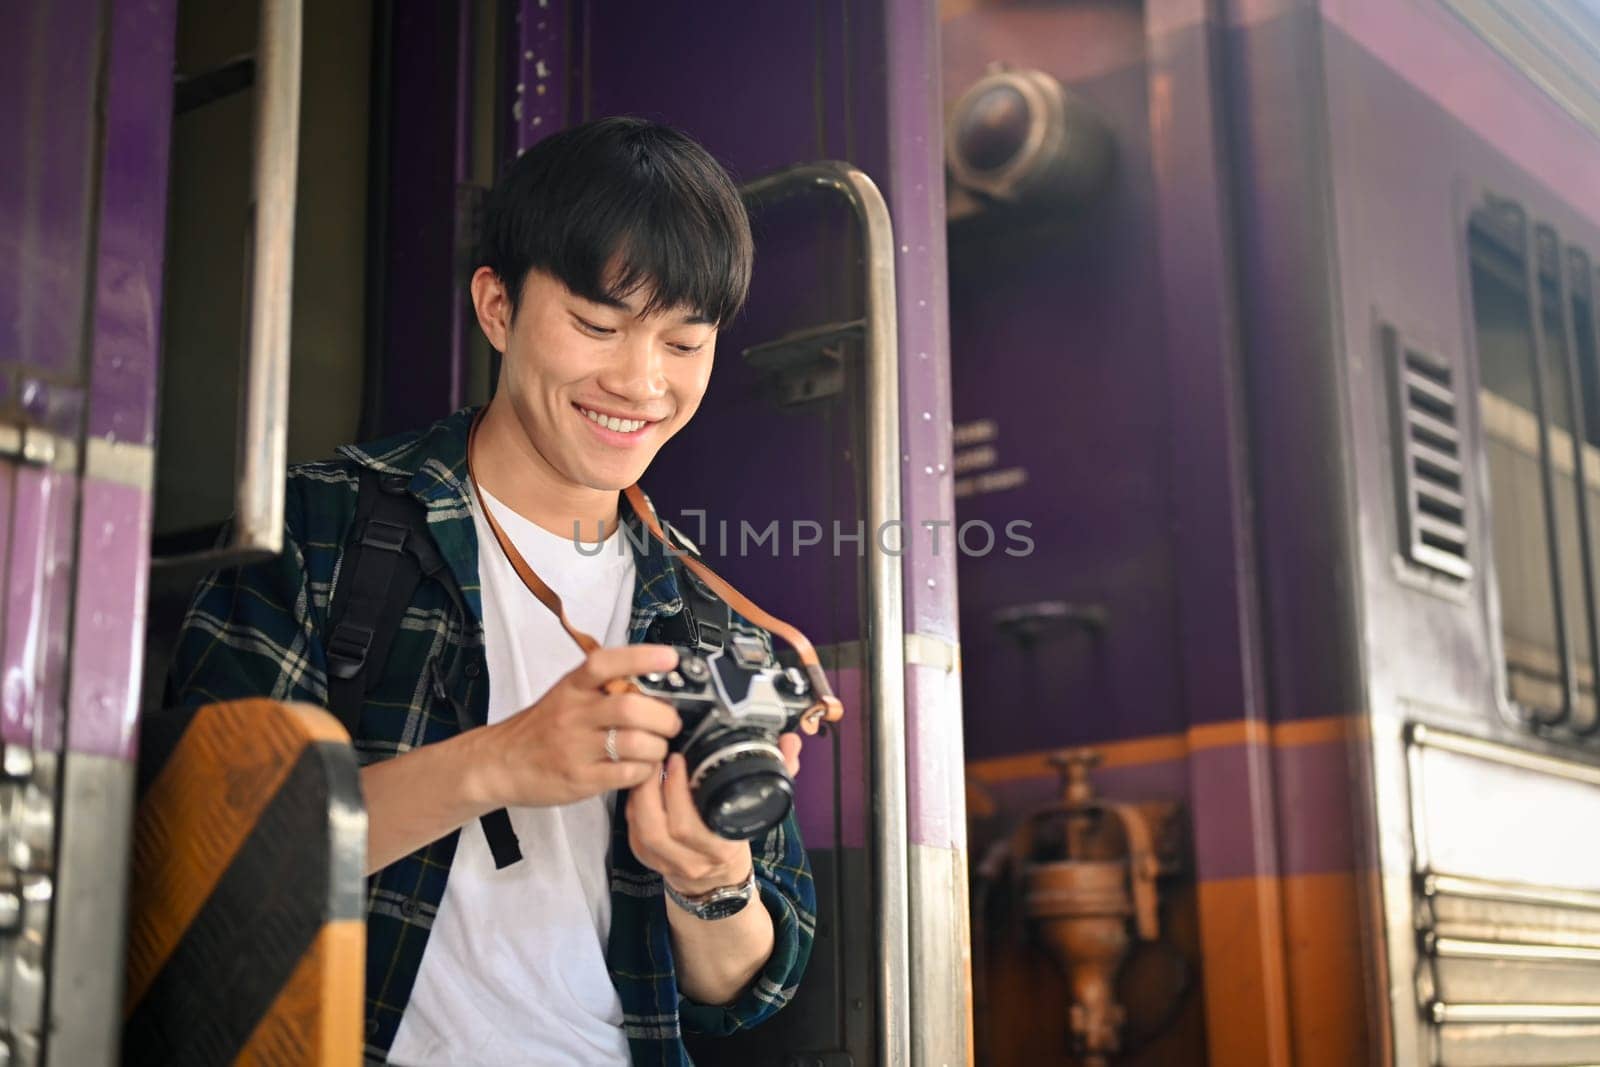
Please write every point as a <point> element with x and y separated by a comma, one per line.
<point>734,704</point>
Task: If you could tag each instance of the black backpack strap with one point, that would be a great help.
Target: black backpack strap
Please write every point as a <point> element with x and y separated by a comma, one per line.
<point>389,555</point>
<point>706,616</point>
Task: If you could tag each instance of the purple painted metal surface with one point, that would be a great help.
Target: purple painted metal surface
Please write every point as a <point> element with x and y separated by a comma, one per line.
<point>1316,801</point>
<point>1059,342</point>
<point>1287,298</point>
<point>37,590</point>
<point>1214,547</point>
<point>109,620</point>
<point>914,188</point>
<point>836,818</point>
<point>803,465</point>
<point>125,345</point>
<point>936,796</point>
<point>546,35</point>
<point>1524,124</point>
<point>114,520</point>
<point>48,80</point>
<point>936,804</point>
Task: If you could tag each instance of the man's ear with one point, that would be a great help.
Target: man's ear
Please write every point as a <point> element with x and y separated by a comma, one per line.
<point>493,305</point>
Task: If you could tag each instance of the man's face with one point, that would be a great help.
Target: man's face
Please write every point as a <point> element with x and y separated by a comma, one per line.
<point>598,390</point>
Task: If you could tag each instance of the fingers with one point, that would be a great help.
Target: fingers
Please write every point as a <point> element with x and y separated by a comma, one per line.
<point>789,745</point>
<point>629,774</point>
<point>643,746</point>
<point>651,833</point>
<point>604,664</point>
<point>683,819</point>
<point>635,711</point>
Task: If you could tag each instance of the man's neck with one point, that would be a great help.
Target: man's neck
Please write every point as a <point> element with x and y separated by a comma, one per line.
<point>508,465</point>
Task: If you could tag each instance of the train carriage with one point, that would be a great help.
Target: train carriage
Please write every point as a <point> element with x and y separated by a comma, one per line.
<point>1176,423</point>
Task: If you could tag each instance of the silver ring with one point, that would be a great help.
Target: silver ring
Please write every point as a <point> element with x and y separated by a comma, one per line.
<point>611,745</point>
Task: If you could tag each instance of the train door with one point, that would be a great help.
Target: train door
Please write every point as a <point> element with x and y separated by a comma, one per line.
<point>817,459</point>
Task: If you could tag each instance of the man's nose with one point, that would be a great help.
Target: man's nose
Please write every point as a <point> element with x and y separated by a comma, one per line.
<point>638,372</point>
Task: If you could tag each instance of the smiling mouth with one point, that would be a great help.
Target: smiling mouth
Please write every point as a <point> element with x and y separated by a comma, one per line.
<point>613,423</point>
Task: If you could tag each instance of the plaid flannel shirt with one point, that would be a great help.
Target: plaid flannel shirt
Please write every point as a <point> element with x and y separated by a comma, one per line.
<point>258,631</point>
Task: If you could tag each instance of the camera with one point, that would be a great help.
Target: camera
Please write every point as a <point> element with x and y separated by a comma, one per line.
<point>734,706</point>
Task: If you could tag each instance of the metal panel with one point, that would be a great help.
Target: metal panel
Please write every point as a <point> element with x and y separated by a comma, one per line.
<point>1555,43</point>
<point>86,952</point>
<point>1509,912</point>
<point>939,942</point>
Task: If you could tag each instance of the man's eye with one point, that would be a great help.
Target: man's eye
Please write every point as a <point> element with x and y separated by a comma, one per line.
<point>598,331</point>
<point>688,350</point>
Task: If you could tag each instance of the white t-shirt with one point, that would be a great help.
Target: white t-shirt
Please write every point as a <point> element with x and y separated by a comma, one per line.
<point>515,970</point>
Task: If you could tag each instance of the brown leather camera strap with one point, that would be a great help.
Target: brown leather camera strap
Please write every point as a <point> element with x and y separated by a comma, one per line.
<point>825,706</point>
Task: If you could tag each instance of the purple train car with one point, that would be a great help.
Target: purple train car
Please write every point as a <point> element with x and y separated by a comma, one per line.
<point>1173,422</point>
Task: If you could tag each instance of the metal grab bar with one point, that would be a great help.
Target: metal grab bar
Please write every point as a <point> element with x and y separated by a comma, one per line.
<point>1445,1013</point>
<point>1439,884</point>
<point>1421,734</point>
<point>1463,948</point>
<point>257,530</point>
<point>885,645</point>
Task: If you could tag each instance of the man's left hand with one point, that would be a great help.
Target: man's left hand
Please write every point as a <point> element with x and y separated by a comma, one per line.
<point>668,835</point>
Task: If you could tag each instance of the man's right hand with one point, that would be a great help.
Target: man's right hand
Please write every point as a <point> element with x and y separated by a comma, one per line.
<point>555,751</point>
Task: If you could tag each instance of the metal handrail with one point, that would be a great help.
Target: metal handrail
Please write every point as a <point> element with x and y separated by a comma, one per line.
<point>885,643</point>
<point>1443,884</point>
<point>1421,734</point>
<point>257,529</point>
<point>1472,948</point>
<point>1444,1013</point>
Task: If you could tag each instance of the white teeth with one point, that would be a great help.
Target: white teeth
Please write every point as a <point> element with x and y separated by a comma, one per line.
<point>611,423</point>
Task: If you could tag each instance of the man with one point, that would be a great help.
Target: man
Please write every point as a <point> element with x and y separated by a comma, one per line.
<point>613,252</point>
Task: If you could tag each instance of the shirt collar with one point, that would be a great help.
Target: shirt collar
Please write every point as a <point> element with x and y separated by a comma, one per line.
<point>434,462</point>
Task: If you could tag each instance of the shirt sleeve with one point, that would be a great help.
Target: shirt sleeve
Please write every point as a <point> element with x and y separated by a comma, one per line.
<point>249,632</point>
<point>783,876</point>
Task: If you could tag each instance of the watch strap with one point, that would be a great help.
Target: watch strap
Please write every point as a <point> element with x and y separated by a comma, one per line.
<point>718,903</point>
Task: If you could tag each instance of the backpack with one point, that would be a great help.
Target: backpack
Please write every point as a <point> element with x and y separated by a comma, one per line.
<point>389,553</point>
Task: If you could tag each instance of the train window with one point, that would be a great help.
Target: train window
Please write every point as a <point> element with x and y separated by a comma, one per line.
<point>1541,423</point>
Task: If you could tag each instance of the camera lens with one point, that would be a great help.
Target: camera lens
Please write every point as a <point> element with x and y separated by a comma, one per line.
<point>741,786</point>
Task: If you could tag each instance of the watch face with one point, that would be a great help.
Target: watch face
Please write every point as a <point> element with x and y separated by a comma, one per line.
<point>722,909</point>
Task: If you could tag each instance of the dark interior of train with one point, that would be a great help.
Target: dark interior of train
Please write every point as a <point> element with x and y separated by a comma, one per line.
<point>339,300</point>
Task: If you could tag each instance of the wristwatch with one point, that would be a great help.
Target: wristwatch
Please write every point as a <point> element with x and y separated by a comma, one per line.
<point>718,903</point>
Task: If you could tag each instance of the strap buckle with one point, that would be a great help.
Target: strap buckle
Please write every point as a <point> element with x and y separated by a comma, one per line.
<point>709,635</point>
<point>347,649</point>
<point>387,536</point>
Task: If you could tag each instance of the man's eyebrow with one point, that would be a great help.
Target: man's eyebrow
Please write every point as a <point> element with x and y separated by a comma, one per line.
<point>693,318</point>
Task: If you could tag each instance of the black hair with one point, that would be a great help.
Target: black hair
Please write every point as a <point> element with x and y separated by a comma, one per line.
<point>628,194</point>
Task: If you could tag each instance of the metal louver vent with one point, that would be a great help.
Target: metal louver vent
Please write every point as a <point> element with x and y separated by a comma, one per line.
<point>1429,473</point>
